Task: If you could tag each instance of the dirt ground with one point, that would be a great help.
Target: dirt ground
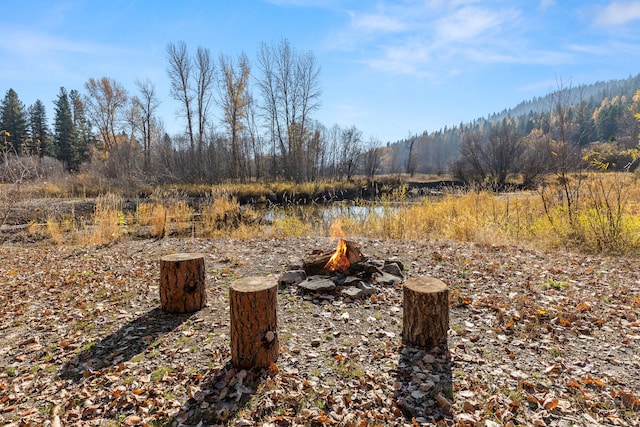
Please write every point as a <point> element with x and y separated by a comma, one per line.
<point>536,338</point>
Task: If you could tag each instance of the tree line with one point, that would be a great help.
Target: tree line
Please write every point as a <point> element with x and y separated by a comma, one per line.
<point>239,124</point>
<point>245,121</point>
<point>566,130</point>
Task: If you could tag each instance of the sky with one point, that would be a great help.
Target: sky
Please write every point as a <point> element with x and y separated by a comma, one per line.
<point>390,68</point>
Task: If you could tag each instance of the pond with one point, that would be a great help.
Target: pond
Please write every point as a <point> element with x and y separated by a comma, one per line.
<point>322,216</point>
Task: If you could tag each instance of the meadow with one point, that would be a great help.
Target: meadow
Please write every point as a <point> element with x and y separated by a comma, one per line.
<point>588,212</point>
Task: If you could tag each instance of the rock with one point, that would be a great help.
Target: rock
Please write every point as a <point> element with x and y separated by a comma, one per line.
<point>351,281</point>
<point>396,261</point>
<point>366,288</point>
<point>429,358</point>
<point>386,279</point>
<point>295,264</point>
<point>393,268</point>
<point>316,342</point>
<point>320,284</point>
<point>292,277</point>
<point>353,292</point>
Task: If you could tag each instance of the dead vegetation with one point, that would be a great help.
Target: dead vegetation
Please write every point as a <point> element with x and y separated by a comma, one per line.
<point>536,338</point>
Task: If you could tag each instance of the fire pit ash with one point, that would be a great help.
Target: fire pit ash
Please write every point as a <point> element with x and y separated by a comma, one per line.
<point>344,270</point>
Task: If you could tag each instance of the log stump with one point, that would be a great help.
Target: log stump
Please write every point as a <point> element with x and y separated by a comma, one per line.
<point>426,312</point>
<point>182,285</point>
<point>254,322</point>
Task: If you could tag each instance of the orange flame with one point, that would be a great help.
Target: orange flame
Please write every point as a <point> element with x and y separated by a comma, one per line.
<point>339,260</point>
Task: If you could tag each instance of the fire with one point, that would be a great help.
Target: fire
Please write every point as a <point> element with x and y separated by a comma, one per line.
<point>339,261</point>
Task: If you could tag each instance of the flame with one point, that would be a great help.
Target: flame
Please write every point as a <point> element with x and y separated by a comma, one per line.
<point>339,260</point>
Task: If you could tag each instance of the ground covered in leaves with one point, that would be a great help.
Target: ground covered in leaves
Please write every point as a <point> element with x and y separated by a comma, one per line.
<point>536,338</point>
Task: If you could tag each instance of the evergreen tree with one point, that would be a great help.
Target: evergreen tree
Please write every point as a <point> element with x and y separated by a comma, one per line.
<point>85,137</point>
<point>40,135</point>
<point>65,135</point>
<point>13,121</point>
<point>606,122</point>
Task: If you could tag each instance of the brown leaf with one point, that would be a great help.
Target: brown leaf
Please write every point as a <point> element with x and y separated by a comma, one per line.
<point>132,420</point>
<point>629,400</point>
<point>594,382</point>
<point>550,404</point>
<point>583,306</point>
<point>572,382</point>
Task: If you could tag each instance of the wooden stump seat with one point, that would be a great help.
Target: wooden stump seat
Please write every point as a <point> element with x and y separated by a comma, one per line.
<point>182,284</point>
<point>426,312</point>
<point>254,322</point>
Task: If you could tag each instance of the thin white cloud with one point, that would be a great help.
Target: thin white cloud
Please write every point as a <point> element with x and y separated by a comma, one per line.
<point>31,43</point>
<point>471,22</point>
<point>438,39</point>
<point>377,23</point>
<point>618,13</point>
<point>431,40</point>
<point>546,4</point>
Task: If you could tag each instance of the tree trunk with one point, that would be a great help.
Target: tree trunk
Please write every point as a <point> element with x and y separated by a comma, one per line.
<point>182,287</point>
<point>254,322</point>
<point>426,312</point>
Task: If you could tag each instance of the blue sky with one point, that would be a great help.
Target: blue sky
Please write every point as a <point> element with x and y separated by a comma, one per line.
<point>391,68</point>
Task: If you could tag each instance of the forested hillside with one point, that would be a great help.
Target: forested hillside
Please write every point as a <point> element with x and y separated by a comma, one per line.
<point>597,118</point>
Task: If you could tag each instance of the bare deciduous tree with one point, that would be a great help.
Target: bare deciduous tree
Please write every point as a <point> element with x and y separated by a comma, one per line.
<point>180,69</point>
<point>147,104</point>
<point>372,157</point>
<point>234,100</point>
<point>105,105</point>
<point>351,143</point>
<point>205,73</point>
<point>290,87</point>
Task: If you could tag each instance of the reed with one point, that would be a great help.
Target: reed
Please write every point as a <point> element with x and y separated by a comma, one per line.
<point>596,212</point>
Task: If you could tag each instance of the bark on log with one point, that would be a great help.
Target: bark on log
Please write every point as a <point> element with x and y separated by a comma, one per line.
<point>314,264</point>
<point>182,284</point>
<point>426,312</point>
<point>254,322</point>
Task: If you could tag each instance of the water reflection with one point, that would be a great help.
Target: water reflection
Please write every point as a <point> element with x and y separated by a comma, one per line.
<point>321,216</point>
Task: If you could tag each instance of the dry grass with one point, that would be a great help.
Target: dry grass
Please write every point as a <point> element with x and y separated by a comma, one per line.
<point>604,217</point>
<point>108,220</point>
<point>599,213</point>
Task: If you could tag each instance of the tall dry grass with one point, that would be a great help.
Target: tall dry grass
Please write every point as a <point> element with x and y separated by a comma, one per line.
<point>602,215</point>
<point>108,220</point>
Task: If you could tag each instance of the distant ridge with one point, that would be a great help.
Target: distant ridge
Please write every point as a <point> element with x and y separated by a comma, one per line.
<point>600,109</point>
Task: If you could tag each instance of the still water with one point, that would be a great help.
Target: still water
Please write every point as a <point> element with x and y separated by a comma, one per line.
<point>322,216</point>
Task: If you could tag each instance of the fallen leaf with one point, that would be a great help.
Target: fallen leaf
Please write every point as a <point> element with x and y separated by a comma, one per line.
<point>550,404</point>
<point>629,400</point>
<point>132,420</point>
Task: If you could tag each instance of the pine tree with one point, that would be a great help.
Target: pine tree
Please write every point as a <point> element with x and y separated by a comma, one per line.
<point>85,138</point>
<point>13,121</point>
<point>40,135</point>
<point>65,135</point>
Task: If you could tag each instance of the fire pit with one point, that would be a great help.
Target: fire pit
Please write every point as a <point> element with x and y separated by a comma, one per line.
<point>345,271</point>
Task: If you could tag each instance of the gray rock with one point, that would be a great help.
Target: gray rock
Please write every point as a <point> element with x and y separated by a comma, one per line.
<point>394,260</point>
<point>295,264</point>
<point>386,279</point>
<point>353,292</point>
<point>394,268</point>
<point>366,288</point>
<point>292,277</point>
<point>352,281</point>
<point>320,284</point>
